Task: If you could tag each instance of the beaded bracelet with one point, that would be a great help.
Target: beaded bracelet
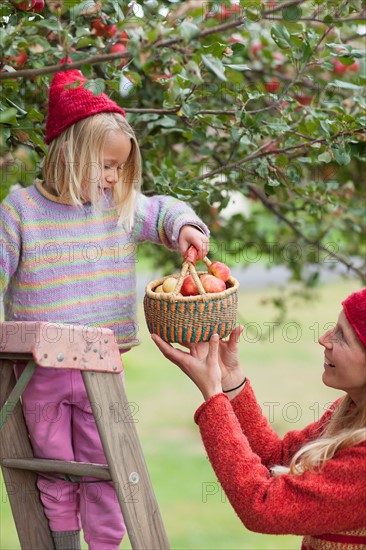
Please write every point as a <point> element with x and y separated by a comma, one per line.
<point>237,387</point>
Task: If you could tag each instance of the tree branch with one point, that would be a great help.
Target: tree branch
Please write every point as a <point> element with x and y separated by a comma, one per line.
<point>263,152</point>
<point>272,208</point>
<point>51,69</point>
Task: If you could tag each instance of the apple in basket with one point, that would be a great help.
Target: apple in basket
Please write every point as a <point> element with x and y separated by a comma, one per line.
<point>169,284</point>
<point>212,284</point>
<point>189,287</point>
<point>220,270</point>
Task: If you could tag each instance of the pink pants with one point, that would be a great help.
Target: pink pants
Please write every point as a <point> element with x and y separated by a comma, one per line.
<point>61,426</point>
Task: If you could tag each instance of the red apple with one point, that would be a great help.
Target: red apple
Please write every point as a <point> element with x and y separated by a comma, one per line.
<point>38,6</point>
<point>122,36</point>
<point>220,270</point>
<point>256,47</point>
<point>226,12</point>
<point>339,68</point>
<point>24,5</point>
<point>20,59</point>
<point>212,284</point>
<point>354,67</point>
<point>102,29</point>
<point>119,47</point>
<point>189,287</point>
<point>304,99</point>
<point>272,86</point>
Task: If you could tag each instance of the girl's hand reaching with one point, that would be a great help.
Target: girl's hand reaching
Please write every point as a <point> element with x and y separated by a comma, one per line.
<point>191,236</point>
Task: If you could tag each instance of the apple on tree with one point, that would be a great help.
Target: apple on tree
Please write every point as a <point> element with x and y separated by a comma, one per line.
<point>304,99</point>
<point>119,47</point>
<point>103,29</point>
<point>340,68</point>
<point>225,12</point>
<point>20,60</point>
<point>38,6</point>
<point>272,86</point>
<point>24,5</point>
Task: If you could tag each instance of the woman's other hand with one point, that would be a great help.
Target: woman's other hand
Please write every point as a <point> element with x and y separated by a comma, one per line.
<point>201,364</point>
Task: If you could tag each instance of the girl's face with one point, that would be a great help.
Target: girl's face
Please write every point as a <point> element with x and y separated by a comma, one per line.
<point>116,151</point>
<point>344,360</point>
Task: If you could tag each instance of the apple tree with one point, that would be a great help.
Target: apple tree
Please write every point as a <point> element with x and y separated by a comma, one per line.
<point>252,111</point>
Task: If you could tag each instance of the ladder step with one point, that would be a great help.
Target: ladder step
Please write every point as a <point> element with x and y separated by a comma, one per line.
<point>80,469</point>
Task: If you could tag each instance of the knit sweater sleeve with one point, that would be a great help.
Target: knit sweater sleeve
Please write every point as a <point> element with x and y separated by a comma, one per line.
<point>10,243</point>
<point>160,218</point>
<point>264,441</point>
<point>313,503</point>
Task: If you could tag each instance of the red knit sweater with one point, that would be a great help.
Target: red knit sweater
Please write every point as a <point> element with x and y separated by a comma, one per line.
<point>328,507</point>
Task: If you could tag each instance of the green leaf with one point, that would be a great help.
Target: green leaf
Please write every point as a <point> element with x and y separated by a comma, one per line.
<point>281,36</point>
<point>85,41</point>
<point>35,115</point>
<point>238,66</point>
<point>50,24</point>
<point>341,156</point>
<point>325,157</point>
<point>188,30</point>
<point>344,85</point>
<point>346,60</point>
<point>215,66</point>
<point>96,86</point>
<point>8,117</point>
<point>216,48</point>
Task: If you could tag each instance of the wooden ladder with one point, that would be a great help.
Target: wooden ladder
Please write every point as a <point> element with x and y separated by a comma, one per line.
<point>95,353</point>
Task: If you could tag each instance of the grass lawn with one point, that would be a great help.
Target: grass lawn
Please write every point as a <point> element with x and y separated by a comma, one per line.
<point>286,374</point>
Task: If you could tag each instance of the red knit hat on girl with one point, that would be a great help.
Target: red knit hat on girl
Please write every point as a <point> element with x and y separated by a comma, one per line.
<point>355,310</point>
<point>70,101</point>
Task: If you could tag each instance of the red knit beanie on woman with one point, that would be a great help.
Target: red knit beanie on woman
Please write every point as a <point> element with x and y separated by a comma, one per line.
<point>355,309</point>
<point>70,101</point>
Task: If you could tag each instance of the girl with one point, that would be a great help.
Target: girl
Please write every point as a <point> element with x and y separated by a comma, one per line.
<point>313,482</point>
<point>68,256</point>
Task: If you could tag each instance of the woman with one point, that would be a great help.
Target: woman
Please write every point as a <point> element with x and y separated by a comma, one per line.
<point>313,481</point>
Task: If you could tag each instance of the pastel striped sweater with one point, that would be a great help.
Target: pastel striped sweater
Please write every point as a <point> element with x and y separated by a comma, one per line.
<point>327,507</point>
<point>67,264</point>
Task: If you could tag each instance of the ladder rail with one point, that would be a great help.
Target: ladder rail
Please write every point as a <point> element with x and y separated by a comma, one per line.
<point>100,364</point>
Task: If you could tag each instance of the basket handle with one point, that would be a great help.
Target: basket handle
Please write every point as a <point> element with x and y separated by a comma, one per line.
<point>189,266</point>
<point>191,255</point>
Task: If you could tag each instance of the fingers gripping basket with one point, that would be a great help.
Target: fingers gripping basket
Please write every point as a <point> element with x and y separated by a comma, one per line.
<point>190,319</point>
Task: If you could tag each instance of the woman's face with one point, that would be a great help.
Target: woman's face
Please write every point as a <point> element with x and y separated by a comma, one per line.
<point>344,360</point>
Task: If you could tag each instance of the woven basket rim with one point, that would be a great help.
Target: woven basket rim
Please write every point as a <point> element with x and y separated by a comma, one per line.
<point>184,299</point>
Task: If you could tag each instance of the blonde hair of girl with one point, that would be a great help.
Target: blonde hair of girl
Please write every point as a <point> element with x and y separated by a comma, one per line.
<point>346,428</point>
<point>75,159</point>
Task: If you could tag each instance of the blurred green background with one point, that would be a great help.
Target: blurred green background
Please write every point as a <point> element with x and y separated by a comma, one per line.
<point>285,371</point>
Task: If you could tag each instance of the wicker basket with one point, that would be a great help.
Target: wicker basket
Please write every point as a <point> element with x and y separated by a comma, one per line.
<point>190,319</point>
